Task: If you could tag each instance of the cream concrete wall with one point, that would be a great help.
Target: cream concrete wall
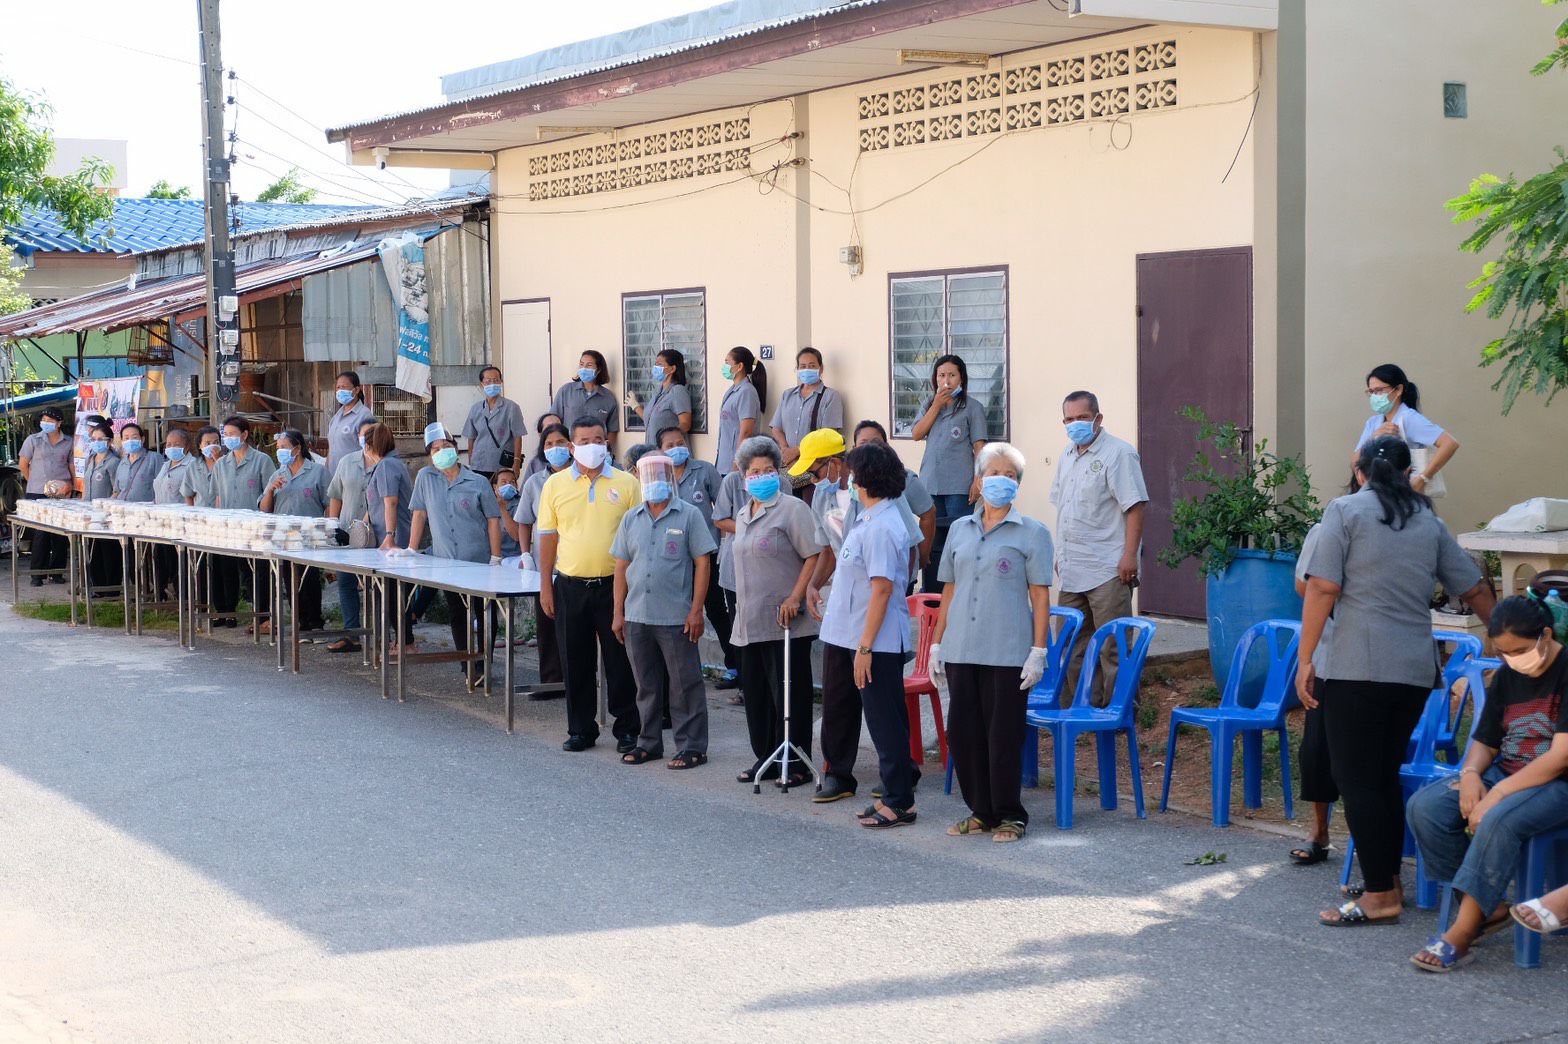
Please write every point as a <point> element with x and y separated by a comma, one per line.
<point>1067,209</point>
<point>1385,281</point>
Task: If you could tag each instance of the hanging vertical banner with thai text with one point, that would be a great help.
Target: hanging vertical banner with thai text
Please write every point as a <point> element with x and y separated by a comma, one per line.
<point>403,262</point>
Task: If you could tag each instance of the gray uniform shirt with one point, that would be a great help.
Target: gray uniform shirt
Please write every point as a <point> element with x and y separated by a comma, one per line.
<point>878,548</point>
<point>948,465</point>
<point>573,401</point>
<point>240,483</point>
<point>302,494</point>
<point>699,487</point>
<point>915,493</point>
<point>526,513</point>
<point>732,494</point>
<point>660,552</point>
<point>489,431</point>
<point>740,403</point>
<point>1383,619</point>
<point>390,479</point>
<point>1093,492</point>
<point>343,432</point>
<point>98,477</point>
<point>133,479</point>
<point>348,486</point>
<point>771,545</point>
<point>199,481</point>
<point>49,460</point>
<point>1309,542</point>
<point>990,620</point>
<point>792,416</point>
<point>171,479</point>
<point>458,512</point>
<point>664,410</point>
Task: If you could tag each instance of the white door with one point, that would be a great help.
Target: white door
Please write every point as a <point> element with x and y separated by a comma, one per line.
<point>525,355</point>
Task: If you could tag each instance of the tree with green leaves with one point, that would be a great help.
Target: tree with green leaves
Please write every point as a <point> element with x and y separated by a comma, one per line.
<point>1529,280</point>
<point>290,188</point>
<point>26,148</point>
<point>161,189</point>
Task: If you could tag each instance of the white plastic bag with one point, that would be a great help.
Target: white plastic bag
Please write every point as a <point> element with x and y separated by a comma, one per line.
<point>1536,515</point>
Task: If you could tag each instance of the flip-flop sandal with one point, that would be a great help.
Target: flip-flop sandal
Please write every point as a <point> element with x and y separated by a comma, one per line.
<point>687,759</point>
<point>638,756</point>
<point>343,645</point>
<point>1352,916</point>
<point>1009,830</point>
<point>1448,958</point>
<point>1546,921</point>
<point>964,827</point>
<point>886,817</point>
<point>1494,926</point>
<point>1310,856</point>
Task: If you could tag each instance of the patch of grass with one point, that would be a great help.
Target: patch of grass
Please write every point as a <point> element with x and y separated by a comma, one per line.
<point>1209,859</point>
<point>1207,696</point>
<point>1148,712</point>
<point>105,614</point>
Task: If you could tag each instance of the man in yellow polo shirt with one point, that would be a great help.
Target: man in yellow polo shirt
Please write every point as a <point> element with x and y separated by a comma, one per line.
<point>580,510</point>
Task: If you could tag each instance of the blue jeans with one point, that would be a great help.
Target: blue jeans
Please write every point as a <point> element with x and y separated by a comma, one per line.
<point>949,506</point>
<point>1482,867</point>
<point>348,599</point>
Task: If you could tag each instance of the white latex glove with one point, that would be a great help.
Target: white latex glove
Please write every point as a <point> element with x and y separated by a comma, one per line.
<point>495,560</point>
<point>398,552</point>
<point>1034,669</point>
<point>937,668</point>
<point>528,564</point>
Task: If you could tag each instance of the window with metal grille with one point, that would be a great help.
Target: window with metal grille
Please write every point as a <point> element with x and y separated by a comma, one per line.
<point>962,312</point>
<point>657,320</point>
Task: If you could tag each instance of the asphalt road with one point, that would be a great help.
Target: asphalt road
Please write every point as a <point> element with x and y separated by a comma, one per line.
<point>194,847</point>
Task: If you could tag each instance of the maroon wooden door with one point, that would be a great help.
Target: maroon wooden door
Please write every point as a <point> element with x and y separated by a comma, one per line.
<point>1194,349</point>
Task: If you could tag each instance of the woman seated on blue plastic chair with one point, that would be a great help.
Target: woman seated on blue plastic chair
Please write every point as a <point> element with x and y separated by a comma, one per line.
<point>995,622</point>
<point>1511,786</point>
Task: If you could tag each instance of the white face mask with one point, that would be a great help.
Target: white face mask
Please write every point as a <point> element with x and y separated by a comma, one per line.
<point>590,456</point>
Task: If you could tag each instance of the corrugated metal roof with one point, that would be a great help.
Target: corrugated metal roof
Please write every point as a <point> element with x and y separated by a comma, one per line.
<point>142,225</point>
<point>660,39</point>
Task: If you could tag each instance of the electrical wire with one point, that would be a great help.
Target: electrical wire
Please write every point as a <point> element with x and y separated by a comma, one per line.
<point>380,186</point>
<point>353,192</point>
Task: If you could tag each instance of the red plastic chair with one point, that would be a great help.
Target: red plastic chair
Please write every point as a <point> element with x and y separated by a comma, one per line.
<point>923,612</point>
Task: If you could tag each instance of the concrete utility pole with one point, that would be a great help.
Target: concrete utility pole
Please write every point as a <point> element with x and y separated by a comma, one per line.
<point>223,346</point>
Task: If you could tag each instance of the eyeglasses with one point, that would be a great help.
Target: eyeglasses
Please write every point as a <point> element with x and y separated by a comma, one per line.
<point>1379,391</point>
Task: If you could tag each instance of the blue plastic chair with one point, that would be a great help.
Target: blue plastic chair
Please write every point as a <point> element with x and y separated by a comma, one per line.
<point>1464,647</point>
<point>1436,732</point>
<point>1543,865</point>
<point>1230,720</point>
<point>1133,636</point>
<point>1047,692</point>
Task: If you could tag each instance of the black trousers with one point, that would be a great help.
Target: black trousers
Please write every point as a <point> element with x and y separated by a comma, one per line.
<point>584,611</point>
<point>549,647</point>
<point>310,616</point>
<point>1317,776</point>
<point>762,686</point>
<point>464,620</point>
<point>887,719</point>
<point>841,712</point>
<point>731,652</point>
<point>166,566</point>
<point>717,607</point>
<point>50,550</point>
<point>105,563</point>
<point>225,574</point>
<point>1368,726</point>
<point>985,735</point>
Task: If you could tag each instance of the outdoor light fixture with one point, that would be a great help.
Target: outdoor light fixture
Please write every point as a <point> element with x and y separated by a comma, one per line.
<point>915,56</point>
<point>542,131</point>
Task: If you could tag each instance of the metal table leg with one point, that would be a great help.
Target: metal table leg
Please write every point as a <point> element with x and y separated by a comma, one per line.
<point>16,538</point>
<point>487,631</point>
<point>87,580</point>
<point>71,556</point>
<point>137,547</point>
<point>511,690</point>
<point>379,584</point>
<point>127,572</point>
<point>402,639</point>
<point>293,568</point>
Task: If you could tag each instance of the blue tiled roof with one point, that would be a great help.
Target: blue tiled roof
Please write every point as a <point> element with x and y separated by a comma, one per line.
<point>151,224</point>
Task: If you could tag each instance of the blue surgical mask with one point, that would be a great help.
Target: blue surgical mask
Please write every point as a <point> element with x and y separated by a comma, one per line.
<point>587,376</point>
<point>232,442</point>
<point>808,376</point>
<point>678,455</point>
<point>133,446</point>
<point>362,442</point>
<point>98,446</point>
<point>285,456</point>
<point>444,458</point>
<point>345,396</point>
<point>656,491</point>
<point>1381,403</point>
<point>763,487</point>
<point>175,454</point>
<point>728,371</point>
<point>1080,432</point>
<point>828,487</point>
<point>998,490</point>
<point>48,427</point>
<point>507,491</point>
<point>210,450</point>
<point>657,373</point>
<point>492,391</point>
<point>557,456</point>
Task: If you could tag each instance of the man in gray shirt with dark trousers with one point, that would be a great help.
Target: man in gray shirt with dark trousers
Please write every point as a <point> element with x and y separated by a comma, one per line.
<point>45,458</point>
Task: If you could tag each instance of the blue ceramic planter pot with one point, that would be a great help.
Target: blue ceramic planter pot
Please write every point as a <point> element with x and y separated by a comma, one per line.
<point>1257,586</point>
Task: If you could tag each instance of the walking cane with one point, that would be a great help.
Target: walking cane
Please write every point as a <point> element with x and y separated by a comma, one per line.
<point>782,754</point>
